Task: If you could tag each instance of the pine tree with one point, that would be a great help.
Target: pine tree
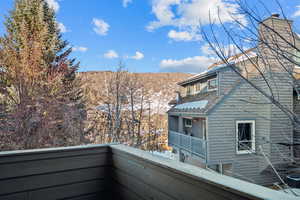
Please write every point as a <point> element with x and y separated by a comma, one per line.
<point>41,102</point>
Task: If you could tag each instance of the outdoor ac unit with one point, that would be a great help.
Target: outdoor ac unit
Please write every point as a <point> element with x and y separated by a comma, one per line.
<point>294,180</point>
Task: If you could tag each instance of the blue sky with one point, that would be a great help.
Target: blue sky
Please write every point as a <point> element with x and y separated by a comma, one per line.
<point>147,35</point>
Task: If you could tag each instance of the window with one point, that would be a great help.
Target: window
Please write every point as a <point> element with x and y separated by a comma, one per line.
<point>212,84</point>
<point>188,122</point>
<point>197,87</point>
<point>297,59</point>
<point>203,85</point>
<point>245,136</point>
<point>190,89</point>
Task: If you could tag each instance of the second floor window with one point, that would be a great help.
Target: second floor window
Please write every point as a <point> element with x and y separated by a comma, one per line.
<point>245,136</point>
<point>212,84</point>
<point>190,90</point>
<point>197,87</point>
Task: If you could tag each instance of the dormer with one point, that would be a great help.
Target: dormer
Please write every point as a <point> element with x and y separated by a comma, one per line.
<point>201,83</point>
<point>219,79</point>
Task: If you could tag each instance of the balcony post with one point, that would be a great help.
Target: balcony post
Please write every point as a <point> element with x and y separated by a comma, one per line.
<point>191,143</point>
<point>180,124</point>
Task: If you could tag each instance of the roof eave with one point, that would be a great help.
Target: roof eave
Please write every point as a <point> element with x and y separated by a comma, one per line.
<point>197,78</point>
<point>183,113</point>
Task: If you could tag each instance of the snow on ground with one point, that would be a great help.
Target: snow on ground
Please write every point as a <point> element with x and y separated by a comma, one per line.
<point>164,154</point>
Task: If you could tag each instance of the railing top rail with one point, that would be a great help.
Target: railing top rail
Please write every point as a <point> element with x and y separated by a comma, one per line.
<point>55,149</point>
<point>183,135</point>
<point>240,187</point>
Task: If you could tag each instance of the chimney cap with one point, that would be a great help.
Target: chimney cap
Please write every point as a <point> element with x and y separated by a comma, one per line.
<point>275,15</point>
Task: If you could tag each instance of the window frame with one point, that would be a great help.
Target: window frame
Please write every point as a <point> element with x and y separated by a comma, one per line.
<point>197,87</point>
<point>187,125</point>
<point>253,148</point>
<point>297,58</point>
<point>208,84</point>
<point>188,90</point>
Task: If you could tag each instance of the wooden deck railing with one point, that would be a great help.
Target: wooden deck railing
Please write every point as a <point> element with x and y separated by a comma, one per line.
<point>193,145</point>
<point>115,172</point>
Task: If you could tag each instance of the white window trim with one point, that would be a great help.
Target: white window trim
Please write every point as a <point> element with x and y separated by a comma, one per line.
<point>187,125</point>
<point>213,88</point>
<point>252,137</point>
<point>196,91</point>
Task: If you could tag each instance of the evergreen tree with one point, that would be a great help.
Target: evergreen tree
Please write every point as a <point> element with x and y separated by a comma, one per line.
<point>41,103</point>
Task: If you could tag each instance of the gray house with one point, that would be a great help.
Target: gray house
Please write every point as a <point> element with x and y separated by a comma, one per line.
<point>221,122</point>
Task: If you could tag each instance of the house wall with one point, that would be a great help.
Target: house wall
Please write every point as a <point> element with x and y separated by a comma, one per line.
<point>222,132</point>
<point>272,127</point>
<point>281,125</point>
<point>197,128</point>
<point>296,137</point>
<point>227,79</point>
<point>173,123</point>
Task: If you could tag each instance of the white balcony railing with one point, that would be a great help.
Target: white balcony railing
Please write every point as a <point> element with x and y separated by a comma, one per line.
<point>193,145</point>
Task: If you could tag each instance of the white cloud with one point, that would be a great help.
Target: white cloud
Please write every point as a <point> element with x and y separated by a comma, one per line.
<point>183,36</point>
<point>227,50</point>
<point>100,26</point>
<point>162,9</point>
<point>53,4</point>
<point>191,64</point>
<point>80,49</point>
<point>111,54</point>
<point>297,13</point>
<point>188,15</point>
<point>126,2</point>
<point>62,27</point>
<point>206,50</point>
<point>138,56</point>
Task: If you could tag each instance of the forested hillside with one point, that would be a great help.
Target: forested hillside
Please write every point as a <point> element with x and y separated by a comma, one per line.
<point>161,86</point>
<point>129,107</point>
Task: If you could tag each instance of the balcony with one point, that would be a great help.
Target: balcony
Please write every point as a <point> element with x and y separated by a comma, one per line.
<point>195,146</point>
<point>115,172</point>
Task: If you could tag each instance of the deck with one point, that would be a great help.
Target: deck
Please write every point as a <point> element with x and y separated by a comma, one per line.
<point>115,172</point>
<point>193,145</point>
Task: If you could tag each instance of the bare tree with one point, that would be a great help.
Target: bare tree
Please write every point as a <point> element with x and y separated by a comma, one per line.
<point>264,53</point>
<point>124,113</point>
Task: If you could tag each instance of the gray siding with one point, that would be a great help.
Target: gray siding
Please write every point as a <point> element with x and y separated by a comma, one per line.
<point>227,79</point>
<point>197,128</point>
<point>297,129</point>
<point>281,127</point>
<point>173,123</point>
<point>272,126</point>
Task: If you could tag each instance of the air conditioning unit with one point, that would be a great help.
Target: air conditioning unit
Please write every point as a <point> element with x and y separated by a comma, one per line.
<point>293,180</point>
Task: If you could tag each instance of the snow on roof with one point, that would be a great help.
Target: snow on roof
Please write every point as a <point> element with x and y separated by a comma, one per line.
<point>193,105</point>
<point>246,55</point>
<point>242,57</point>
<point>206,72</point>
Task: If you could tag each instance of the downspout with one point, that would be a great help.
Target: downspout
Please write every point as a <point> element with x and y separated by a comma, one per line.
<point>218,79</point>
